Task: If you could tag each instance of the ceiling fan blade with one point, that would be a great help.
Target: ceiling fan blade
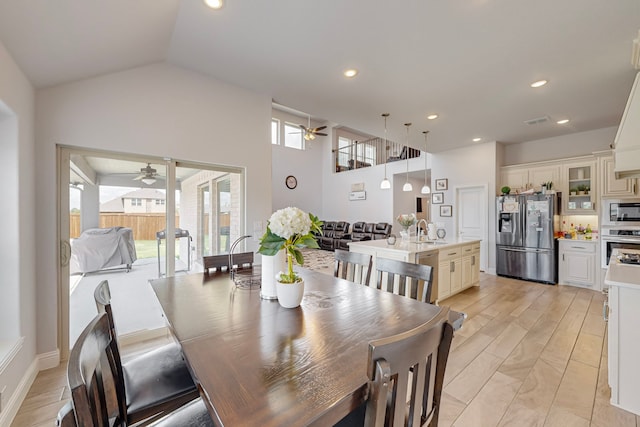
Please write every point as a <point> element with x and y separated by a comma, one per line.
<point>303,127</point>
<point>320,133</point>
<point>317,129</point>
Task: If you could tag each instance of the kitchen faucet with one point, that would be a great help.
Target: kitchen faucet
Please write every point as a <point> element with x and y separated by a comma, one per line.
<point>419,231</point>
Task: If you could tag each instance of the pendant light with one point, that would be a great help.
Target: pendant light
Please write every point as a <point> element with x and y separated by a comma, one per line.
<point>407,185</point>
<point>385,184</point>
<point>425,189</point>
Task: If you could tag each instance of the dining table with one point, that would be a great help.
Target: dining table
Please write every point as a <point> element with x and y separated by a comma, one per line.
<point>259,364</point>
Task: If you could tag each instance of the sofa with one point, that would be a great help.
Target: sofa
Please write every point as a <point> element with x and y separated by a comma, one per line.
<point>336,234</point>
<point>364,231</point>
<point>332,232</point>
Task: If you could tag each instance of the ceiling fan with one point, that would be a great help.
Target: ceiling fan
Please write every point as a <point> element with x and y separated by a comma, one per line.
<point>147,175</point>
<point>309,132</point>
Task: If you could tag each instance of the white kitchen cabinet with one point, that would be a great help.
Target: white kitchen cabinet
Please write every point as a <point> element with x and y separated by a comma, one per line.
<point>516,178</point>
<point>578,262</point>
<point>545,173</point>
<point>523,177</point>
<point>475,264</point>
<point>579,188</point>
<point>610,187</point>
<point>449,272</point>
<point>623,335</point>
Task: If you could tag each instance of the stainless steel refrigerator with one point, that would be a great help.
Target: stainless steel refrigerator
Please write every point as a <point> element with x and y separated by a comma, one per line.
<point>525,244</point>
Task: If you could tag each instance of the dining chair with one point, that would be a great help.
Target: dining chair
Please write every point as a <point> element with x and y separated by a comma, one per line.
<point>352,266</point>
<point>152,383</point>
<point>94,381</point>
<point>414,280</point>
<point>406,374</point>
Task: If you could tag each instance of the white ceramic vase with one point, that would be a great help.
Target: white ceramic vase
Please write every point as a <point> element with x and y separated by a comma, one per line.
<point>271,266</point>
<point>290,294</point>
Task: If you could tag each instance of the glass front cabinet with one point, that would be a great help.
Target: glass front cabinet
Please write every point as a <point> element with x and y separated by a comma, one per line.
<point>579,195</point>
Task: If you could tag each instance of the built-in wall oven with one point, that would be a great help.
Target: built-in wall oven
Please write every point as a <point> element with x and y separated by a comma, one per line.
<point>620,227</point>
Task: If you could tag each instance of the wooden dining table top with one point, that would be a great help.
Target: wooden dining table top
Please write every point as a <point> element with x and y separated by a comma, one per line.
<point>259,364</point>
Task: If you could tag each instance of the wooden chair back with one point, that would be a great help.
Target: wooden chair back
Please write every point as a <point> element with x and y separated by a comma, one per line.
<point>352,266</point>
<point>102,298</point>
<point>215,261</point>
<point>93,377</point>
<point>243,260</point>
<point>66,417</point>
<point>411,280</point>
<point>407,375</point>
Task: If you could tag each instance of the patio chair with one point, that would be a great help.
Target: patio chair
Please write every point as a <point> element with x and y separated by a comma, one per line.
<point>155,382</point>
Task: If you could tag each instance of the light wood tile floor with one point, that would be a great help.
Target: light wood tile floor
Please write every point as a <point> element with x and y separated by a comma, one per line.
<point>528,355</point>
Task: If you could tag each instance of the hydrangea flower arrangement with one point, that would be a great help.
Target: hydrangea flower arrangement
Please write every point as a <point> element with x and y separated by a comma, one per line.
<point>406,220</point>
<point>290,229</point>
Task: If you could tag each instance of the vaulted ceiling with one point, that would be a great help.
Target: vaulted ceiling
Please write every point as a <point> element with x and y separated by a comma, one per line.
<point>469,61</point>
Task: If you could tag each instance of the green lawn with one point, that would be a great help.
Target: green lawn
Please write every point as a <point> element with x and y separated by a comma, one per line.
<point>149,248</point>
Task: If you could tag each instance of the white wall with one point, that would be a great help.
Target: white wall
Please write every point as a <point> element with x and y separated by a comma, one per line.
<point>379,204</point>
<point>159,110</point>
<point>560,147</point>
<point>19,234</point>
<point>306,165</point>
<point>468,166</point>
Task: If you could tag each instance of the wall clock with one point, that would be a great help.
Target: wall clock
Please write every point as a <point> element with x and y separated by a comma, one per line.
<point>291,182</point>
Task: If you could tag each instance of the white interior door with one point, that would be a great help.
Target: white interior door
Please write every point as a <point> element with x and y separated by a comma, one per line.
<point>471,219</point>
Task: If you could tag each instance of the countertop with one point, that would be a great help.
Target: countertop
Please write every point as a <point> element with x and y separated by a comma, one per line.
<point>412,246</point>
<point>594,240</point>
<point>625,275</point>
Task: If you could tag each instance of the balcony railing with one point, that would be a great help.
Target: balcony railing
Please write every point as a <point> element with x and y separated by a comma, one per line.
<point>374,151</point>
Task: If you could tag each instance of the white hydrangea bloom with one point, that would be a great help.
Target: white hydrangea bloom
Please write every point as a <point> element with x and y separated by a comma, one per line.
<point>290,221</point>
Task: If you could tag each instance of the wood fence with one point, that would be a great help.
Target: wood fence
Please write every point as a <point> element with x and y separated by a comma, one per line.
<point>144,225</point>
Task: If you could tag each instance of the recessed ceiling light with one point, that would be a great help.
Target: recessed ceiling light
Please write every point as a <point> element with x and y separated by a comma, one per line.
<point>350,72</point>
<point>563,121</point>
<point>539,83</point>
<point>214,4</point>
<point>477,139</point>
<point>432,116</point>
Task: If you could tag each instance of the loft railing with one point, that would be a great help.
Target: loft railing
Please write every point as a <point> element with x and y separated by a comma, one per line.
<point>371,152</point>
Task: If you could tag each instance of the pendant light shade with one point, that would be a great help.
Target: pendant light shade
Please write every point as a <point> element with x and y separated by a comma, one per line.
<point>407,185</point>
<point>425,189</point>
<point>385,184</point>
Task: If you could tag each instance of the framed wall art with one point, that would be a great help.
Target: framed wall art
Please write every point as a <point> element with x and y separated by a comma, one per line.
<point>445,210</point>
<point>437,198</point>
<point>442,184</point>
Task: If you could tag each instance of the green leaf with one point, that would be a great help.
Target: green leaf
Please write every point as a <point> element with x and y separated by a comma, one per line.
<point>298,256</point>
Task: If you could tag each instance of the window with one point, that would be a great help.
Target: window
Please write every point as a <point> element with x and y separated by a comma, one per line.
<point>344,146</point>
<point>160,202</point>
<point>275,131</point>
<point>136,202</point>
<point>293,136</point>
<point>366,153</point>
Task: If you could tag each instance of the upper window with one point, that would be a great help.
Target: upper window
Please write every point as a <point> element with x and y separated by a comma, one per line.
<point>293,136</point>
<point>136,202</point>
<point>275,131</point>
<point>159,201</point>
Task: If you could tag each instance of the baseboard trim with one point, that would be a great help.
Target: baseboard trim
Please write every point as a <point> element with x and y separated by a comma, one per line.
<point>15,401</point>
<point>11,353</point>
<point>48,360</point>
<point>140,336</point>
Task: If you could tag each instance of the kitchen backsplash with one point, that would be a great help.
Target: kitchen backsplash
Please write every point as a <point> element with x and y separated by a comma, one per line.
<point>576,220</point>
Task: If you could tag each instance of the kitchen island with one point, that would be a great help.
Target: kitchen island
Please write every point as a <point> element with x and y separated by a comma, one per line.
<point>455,263</point>
<point>623,333</point>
